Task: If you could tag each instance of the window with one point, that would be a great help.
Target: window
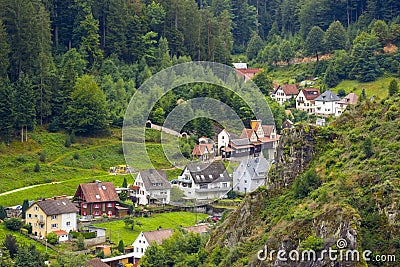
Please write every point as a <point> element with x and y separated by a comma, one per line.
<point>54,217</point>
<point>97,196</point>
<point>29,215</point>
<point>68,223</point>
<point>36,208</point>
<point>245,181</point>
<point>97,213</point>
<point>142,250</point>
<point>35,216</point>
<point>84,206</point>
<point>225,185</point>
<point>110,205</point>
<point>96,206</point>
<point>54,225</point>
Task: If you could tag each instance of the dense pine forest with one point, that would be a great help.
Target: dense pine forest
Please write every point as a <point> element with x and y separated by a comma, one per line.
<point>73,64</point>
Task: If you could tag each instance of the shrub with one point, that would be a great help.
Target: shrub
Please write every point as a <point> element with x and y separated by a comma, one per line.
<point>306,183</point>
<point>67,142</point>
<point>13,224</point>
<point>28,228</point>
<point>312,243</point>
<point>52,238</point>
<point>76,156</point>
<point>37,167</point>
<point>42,156</point>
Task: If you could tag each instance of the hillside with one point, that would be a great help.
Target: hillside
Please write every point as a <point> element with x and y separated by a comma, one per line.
<point>63,168</point>
<point>348,190</point>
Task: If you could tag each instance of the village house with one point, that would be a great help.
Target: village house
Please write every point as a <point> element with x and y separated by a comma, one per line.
<point>204,150</point>
<point>203,181</point>
<point>254,141</point>
<point>285,93</point>
<point>250,174</point>
<point>287,124</point>
<point>245,72</point>
<point>145,239</point>
<point>98,198</point>
<point>325,104</point>
<point>52,215</point>
<point>305,100</point>
<point>350,99</point>
<point>153,187</point>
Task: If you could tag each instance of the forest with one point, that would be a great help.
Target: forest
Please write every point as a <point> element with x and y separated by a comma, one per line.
<point>73,65</point>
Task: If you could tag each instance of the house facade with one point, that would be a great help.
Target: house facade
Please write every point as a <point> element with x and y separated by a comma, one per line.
<point>250,174</point>
<point>98,198</point>
<point>285,93</point>
<point>153,187</point>
<point>203,181</point>
<point>325,104</point>
<point>145,239</point>
<point>350,99</point>
<point>305,100</point>
<point>52,215</point>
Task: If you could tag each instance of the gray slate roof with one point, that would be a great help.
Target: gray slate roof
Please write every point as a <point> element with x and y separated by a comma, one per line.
<point>204,173</point>
<point>328,96</point>
<point>155,180</point>
<point>254,167</point>
<point>55,207</point>
<point>241,142</point>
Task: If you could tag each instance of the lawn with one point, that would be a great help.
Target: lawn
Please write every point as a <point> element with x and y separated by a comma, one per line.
<point>377,88</point>
<point>117,229</point>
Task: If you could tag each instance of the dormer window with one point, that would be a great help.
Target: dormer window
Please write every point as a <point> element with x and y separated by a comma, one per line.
<point>97,196</point>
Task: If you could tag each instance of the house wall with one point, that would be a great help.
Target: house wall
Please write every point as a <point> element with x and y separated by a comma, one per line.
<point>144,193</point>
<point>223,140</point>
<point>243,182</point>
<point>41,223</point>
<point>339,109</point>
<point>325,108</point>
<point>303,104</point>
<point>68,222</point>
<point>139,246</point>
<point>281,97</point>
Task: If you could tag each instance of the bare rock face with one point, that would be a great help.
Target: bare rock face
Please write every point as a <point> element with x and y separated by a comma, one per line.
<point>296,148</point>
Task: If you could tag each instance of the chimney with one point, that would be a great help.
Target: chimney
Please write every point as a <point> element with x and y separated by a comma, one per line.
<point>98,184</point>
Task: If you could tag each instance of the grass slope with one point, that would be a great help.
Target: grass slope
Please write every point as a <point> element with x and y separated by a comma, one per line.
<point>63,169</point>
<point>117,229</point>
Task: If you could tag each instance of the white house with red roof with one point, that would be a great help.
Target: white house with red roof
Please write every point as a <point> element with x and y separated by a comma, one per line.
<point>305,100</point>
<point>285,93</point>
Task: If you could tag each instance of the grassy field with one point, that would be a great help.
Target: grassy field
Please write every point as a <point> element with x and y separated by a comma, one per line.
<point>172,220</point>
<point>377,88</point>
<point>62,168</point>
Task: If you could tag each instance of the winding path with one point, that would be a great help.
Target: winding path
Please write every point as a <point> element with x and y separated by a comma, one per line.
<point>26,187</point>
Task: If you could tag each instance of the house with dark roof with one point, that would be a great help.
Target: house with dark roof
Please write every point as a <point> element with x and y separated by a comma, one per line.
<point>325,104</point>
<point>250,174</point>
<point>153,187</point>
<point>52,216</point>
<point>305,100</point>
<point>202,181</point>
<point>285,93</point>
<point>98,198</point>
<point>350,99</point>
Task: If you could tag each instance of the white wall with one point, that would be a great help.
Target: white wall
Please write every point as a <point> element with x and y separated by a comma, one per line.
<point>223,140</point>
<point>139,246</point>
<point>71,218</point>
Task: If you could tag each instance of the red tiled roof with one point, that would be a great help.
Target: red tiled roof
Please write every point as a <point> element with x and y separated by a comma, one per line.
<point>157,235</point>
<point>310,93</point>
<point>200,149</point>
<point>290,89</point>
<point>60,232</point>
<point>98,192</point>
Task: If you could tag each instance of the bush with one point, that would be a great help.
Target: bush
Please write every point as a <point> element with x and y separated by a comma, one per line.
<point>14,224</point>
<point>42,156</point>
<point>306,183</point>
<point>37,167</point>
<point>28,228</point>
<point>67,142</point>
<point>312,243</point>
<point>76,156</point>
<point>86,235</point>
<point>52,238</point>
